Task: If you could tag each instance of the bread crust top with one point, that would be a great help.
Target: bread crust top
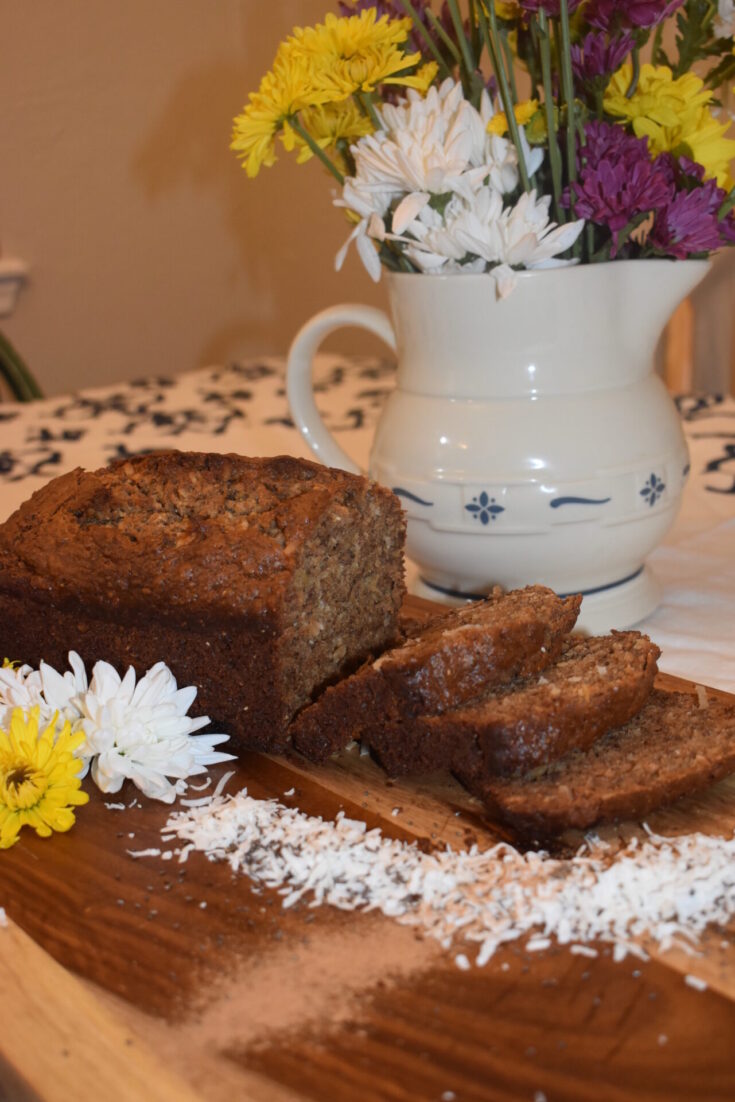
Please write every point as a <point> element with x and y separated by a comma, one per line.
<point>175,531</point>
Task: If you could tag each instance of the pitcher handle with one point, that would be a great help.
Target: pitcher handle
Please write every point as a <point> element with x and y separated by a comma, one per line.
<point>298,375</point>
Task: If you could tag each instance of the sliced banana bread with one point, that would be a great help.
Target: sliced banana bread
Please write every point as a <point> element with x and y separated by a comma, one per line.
<point>595,685</point>
<point>447,664</point>
<point>674,747</point>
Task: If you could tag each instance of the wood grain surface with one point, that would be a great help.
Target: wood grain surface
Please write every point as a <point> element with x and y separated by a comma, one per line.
<point>182,981</point>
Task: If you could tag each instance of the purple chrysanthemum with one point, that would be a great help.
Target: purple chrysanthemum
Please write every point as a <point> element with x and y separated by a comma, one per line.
<point>617,179</point>
<point>690,223</point>
<point>607,15</point>
<point>595,56</point>
<point>604,140</point>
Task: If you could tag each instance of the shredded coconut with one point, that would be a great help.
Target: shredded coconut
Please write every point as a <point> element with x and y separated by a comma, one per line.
<point>695,982</point>
<point>115,807</point>
<point>201,787</point>
<point>663,889</point>
<point>3,918</point>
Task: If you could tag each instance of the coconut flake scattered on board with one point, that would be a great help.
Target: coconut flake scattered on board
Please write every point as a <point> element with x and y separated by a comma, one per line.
<point>663,889</point>
<point>3,918</point>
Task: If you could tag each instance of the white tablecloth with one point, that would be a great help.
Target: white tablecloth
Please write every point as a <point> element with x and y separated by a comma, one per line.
<point>243,408</point>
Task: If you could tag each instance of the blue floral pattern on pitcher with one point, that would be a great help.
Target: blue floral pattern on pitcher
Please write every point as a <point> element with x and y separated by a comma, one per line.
<point>484,508</point>
<point>653,489</point>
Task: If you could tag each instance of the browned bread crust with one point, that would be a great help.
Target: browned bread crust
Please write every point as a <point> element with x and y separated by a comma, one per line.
<point>673,748</point>
<point>257,580</point>
<point>595,685</point>
<point>442,667</point>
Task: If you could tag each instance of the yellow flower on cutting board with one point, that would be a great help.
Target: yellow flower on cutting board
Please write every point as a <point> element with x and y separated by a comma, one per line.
<point>523,112</point>
<point>39,782</point>
<point>356,53</point>
<point>674,116</point>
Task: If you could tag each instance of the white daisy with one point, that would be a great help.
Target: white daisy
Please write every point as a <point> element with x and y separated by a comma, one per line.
<point>63,693</point>
<point>142,733</point>
<point>20,687</point>
<point>485,235</point>
<point>433,181</point>
<point>433,145</point>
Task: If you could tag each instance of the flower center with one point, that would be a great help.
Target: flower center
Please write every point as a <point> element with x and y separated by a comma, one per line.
<point>22,786</point>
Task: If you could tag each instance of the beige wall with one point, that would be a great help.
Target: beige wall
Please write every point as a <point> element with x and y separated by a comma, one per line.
<point>150,250</point>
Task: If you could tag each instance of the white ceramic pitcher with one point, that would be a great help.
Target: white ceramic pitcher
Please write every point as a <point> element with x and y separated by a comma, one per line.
<point>528,438</point>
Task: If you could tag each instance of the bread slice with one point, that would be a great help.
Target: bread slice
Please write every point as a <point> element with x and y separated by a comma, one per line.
<point>447,664</point>
<point>595,685</point>
<point>673,748</point>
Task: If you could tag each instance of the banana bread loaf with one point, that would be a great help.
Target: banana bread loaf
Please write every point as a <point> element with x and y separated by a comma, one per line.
<point>596,684</point>
<point>674,747</point>
<point>257,580</point>
<point>452,660</point>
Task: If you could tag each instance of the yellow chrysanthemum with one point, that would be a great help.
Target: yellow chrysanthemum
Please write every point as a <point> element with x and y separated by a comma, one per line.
<point>356,53</point>
<point>507,9</point>
<point>39,780</point>
<point>332,123</point>
<point>523,112</point>
<point>288,88</point>
<point>674,116</point>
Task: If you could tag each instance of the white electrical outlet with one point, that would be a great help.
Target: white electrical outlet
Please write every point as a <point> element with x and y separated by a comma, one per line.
<point>13,274</point>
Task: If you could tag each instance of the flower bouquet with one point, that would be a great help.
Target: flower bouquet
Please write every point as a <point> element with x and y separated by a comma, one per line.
<point>510,135</point>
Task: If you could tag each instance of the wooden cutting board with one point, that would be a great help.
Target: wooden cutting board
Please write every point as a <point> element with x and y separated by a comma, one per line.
<point>126,979</point>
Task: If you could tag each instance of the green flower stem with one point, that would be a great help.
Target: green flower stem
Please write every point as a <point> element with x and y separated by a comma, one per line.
<point>492,38</point>
<point>465,47</point>
<point>636,58</point>
<point>589,241</point>
<point>393,258</point>
<point>475,29</point>
<point>623,235</point>
<point>366,101</point>
<point>727,206</point>
<point>18,377</point>
<point>554,151</point>
<point>531,59</point>
<point>599,99</point>
<point>444,36</point>
<point>509,63</point>
<point>316,150</point>
<point>427,39</point>
<point>568,90</point>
